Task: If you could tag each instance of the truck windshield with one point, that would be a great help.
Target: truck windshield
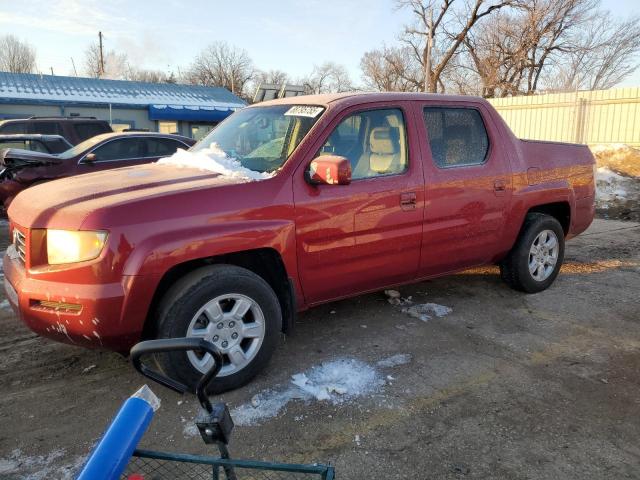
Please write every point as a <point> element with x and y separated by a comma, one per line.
<point>262,138</point>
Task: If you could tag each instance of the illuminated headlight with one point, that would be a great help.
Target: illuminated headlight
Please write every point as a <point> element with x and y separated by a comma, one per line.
<point>66,246</point>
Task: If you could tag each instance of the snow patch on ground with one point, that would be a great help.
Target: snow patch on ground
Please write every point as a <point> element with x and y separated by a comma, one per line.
<point>40,467</point>
<point>5,305</point>
<point>395,360</point>
<point>338,381</point>
<point>215,160</point>
<point>426,311</point>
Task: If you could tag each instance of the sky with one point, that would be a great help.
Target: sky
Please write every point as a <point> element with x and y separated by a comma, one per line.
<point>167,34</point>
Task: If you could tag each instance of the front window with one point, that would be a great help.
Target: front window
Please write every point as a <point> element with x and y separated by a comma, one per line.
<point>33,145</point>
<point>262,138</point>
<point>374,142</point>
<point>82,147</point>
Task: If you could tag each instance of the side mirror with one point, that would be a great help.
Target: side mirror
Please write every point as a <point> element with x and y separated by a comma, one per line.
<point>90,157</point>
<point>329,170</point>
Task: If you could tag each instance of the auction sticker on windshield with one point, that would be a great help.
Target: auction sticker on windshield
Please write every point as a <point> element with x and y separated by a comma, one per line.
<point>304,111</point>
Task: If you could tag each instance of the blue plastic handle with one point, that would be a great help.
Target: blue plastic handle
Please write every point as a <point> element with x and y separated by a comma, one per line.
<point>111,456</point>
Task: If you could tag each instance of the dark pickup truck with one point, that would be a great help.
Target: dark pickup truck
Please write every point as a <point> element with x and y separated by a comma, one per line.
<point>285,205</point>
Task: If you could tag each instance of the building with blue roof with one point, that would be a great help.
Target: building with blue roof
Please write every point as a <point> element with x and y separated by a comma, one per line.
<point>190,110</point>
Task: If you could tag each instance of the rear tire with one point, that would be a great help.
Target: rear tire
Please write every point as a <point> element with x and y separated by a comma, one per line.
<point>230,306</point>
<point>535,260</point>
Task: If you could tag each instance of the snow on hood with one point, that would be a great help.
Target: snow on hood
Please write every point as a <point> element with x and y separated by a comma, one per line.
<point>215,160</point>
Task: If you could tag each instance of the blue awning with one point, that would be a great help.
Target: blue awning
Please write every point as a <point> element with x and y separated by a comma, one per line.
<point>190,113</point>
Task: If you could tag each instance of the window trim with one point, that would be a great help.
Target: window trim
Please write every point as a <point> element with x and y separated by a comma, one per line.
<point>372,109</point>
<point>484,124</point>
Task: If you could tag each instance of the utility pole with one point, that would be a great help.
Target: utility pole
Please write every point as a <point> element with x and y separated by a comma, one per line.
<point>101,56</point>
<point>427,61</point>
<point>52,74</point>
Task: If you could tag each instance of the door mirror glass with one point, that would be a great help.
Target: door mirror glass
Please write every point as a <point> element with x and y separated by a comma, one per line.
<point>329,170</point>
<point>90,157</point>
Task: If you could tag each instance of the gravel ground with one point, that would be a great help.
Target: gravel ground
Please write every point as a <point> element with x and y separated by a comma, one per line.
<point>506,385</point>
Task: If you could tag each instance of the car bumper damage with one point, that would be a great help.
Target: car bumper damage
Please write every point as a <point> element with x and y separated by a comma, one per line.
<point>84,315</point>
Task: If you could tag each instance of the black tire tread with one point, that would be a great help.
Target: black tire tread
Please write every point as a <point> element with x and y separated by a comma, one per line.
<point>188,286</point>
<point>511,267</point>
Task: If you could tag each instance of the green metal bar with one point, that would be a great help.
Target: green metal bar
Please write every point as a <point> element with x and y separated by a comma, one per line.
<point>250,464</point>
<point>330,474</point>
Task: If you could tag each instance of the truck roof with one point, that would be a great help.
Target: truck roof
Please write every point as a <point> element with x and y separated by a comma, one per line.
<point>366,97</point>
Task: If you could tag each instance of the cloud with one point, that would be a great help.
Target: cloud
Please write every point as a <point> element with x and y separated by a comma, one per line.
<point>68,17</point>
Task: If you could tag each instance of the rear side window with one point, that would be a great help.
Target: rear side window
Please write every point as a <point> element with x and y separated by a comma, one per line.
<point>160,147</point>
<point>15,127</point>
<point>45,128</point>
<point>457,136</point>
<point>88,130</point>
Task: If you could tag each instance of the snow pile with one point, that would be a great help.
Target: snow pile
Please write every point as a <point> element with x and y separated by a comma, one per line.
<point>212,159</point>
<point>395,298</point>
<point>39,467</point>
<point>610,186</point>
<point>426,311</point>
<point>4,305</point>
<point>337,382</point>
<point>617,181</point>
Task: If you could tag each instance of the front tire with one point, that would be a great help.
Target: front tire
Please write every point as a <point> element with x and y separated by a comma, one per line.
<point>230,306</point>
<point>534,262</point>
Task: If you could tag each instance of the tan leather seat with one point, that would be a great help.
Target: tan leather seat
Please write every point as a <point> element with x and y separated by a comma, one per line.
<point>384,145</point>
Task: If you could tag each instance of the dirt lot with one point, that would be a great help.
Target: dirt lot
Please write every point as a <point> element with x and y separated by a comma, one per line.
<point>507,385</point>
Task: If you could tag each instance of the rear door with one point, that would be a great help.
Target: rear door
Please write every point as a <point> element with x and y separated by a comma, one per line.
<point>468,186</point>
<point>366,235</point>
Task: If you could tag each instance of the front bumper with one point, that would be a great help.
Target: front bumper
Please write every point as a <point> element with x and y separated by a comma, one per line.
<point>85,315</point>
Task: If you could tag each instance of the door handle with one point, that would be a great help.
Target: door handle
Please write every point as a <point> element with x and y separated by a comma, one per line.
<point>500,185</point>
<point>408,200</point>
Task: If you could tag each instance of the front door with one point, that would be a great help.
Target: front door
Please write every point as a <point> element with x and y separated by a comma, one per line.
<point>366,235</point>
<point>467,177</point>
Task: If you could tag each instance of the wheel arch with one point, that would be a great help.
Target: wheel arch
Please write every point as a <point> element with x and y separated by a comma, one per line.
<point>267,263</point>
<point>561,211</point>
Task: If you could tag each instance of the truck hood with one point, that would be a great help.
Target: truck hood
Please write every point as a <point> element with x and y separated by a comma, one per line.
<point>18,157</point>
<point>67,202</point>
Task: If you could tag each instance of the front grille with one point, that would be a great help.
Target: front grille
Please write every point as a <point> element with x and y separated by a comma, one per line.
<point>20,244</point>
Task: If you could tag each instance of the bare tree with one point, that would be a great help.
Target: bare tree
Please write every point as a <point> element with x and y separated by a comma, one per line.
<point>16,56</point>
<point>115,64</point>
<point>148,76</point>
<point>329,77</point>
<point>272,77</point>
<point>606,52</point>
<point>552,44</point>
<point>391,69</point>
<point>450,27</point>
<point>222,65</point>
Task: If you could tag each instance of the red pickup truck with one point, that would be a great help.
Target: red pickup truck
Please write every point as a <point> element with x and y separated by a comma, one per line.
<point>288,204</point>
